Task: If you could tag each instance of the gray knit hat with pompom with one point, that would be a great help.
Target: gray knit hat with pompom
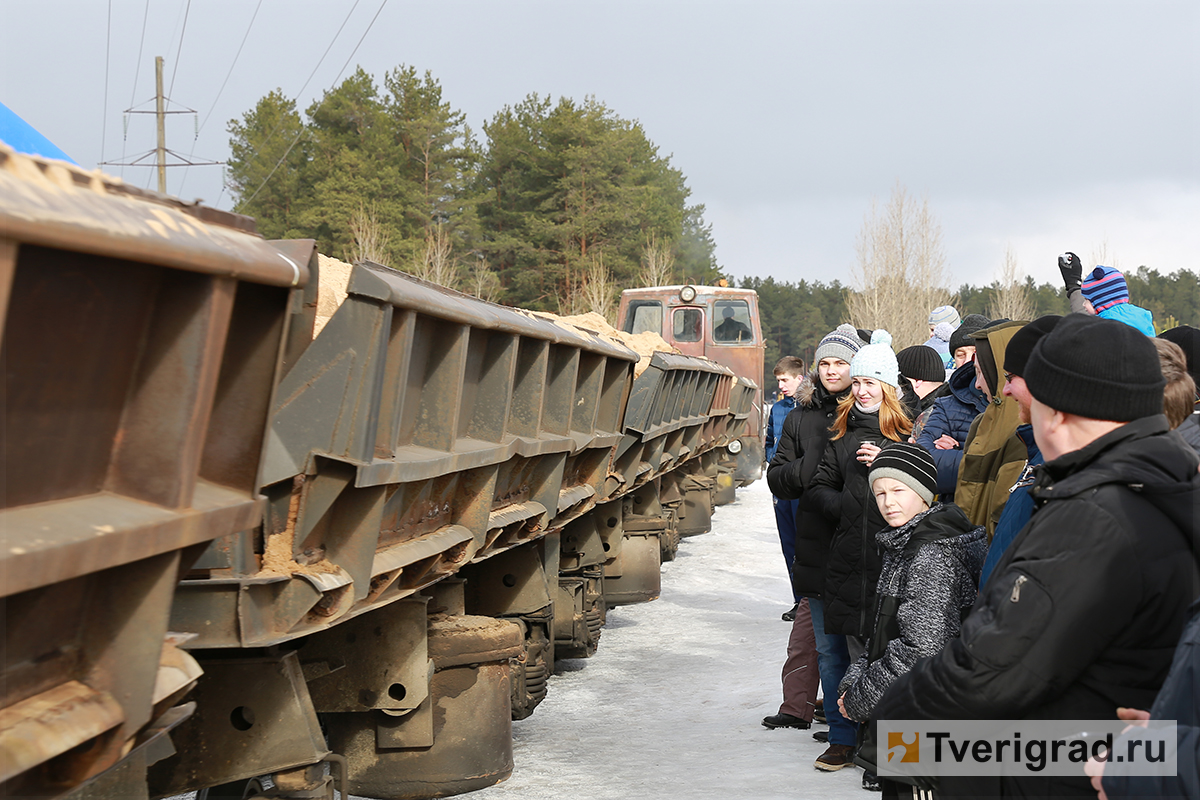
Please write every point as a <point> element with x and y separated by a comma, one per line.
<point>842,343</point>
<point>876,360</point>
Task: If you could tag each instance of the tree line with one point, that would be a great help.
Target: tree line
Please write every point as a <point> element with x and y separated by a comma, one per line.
<point>558,206</point>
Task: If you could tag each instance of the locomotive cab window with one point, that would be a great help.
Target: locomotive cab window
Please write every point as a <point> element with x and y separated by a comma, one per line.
<point>687,324</point>
<point>644,315</point>
<point>731,322</point>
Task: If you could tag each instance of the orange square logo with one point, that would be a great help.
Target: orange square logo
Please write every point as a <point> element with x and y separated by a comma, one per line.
<point>909,751</point>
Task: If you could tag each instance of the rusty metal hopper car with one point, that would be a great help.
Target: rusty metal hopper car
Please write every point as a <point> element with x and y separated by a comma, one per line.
<point>244,559</point>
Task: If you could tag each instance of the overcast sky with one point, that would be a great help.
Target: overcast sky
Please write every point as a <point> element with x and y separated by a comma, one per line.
<point>1044,125</point>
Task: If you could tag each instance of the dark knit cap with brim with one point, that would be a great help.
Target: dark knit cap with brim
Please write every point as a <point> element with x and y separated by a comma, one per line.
<point>921,362</point>
<point>1096,368</point>
<point>908,463</point>
<point>1188,339</point>
<point>1016,355</point>
<point>962,334</point>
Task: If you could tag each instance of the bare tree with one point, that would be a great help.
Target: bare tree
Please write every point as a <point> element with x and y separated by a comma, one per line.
<point>437,263</point>
<point>658,263</point>
<point>1100,256</point>
<point>370,240</point>
<point>592,290</point>
<point>1010,297</point>
<point>482,281</point>
<point>899,270</point>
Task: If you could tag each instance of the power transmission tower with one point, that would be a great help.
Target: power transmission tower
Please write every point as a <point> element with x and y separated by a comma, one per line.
<point>160,152</point>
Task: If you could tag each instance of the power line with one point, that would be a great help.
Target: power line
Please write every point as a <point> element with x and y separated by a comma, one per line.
<point>231,66</point>
<point>280,125</point>
<point>271,135</point>
<point>136,71</point>
<point>224,83</point>
<point>179,50</point>
<point>300,135</point>
<point>107,54</point>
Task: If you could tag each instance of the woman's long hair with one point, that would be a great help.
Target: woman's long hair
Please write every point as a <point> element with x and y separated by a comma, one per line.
<point>894,423</point>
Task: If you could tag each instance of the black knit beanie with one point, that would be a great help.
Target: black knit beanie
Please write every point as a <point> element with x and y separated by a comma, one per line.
<point>910,464</point>
<point>1096,368</point>
<point>1188,339</point>
<point>921,362</point>
<point>962,334</point>
<point>1016,355</point>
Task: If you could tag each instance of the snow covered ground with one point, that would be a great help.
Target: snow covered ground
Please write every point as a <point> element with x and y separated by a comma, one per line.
<point>671,705</point>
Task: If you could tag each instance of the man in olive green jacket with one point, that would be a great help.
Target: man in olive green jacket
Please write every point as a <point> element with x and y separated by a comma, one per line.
<point>993,455</point>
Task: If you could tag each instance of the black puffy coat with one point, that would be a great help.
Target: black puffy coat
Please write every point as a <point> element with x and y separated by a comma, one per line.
<point>801,445</point>
<point>1082,613</point>
<point>840,491</point>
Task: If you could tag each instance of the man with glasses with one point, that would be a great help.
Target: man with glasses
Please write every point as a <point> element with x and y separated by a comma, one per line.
<point>1019,507</point>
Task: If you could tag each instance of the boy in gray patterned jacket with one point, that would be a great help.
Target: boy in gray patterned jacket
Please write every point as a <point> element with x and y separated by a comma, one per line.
<point>932,556</point>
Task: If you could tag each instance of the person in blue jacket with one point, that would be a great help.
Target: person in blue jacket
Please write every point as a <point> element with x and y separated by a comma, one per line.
<point>1105,289</point>
<point>1179,699</point>
<point>1019,507</point>
<point>945,426</point>
<point>789,373</point>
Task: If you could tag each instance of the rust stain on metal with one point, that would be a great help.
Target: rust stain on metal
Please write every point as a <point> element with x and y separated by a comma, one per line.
<point>49,724</point>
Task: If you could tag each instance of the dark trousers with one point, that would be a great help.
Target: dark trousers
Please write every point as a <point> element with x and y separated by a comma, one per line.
<point>801,677</point>
<point>785,523</point>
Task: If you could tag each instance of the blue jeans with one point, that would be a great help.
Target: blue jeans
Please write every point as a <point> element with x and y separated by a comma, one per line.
<point>833,659</point>
<point>785,522</point>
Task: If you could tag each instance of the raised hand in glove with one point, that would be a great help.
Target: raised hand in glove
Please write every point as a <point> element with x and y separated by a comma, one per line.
<point>1072,271</point>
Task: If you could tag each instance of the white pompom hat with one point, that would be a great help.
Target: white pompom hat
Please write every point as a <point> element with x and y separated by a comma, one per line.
<point>876,360</point>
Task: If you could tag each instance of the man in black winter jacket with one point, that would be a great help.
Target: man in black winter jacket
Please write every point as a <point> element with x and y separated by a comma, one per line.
<point>1082,613</point>
<point>805,436</point>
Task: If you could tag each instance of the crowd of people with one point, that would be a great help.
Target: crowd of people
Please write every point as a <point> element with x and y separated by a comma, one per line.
<point>997,524</point>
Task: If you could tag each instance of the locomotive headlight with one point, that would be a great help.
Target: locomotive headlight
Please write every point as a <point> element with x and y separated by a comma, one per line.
<point>687,294</point>
<point>735,446</point>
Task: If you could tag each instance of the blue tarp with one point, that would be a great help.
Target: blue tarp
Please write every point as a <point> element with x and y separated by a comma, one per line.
<point>22,137</point>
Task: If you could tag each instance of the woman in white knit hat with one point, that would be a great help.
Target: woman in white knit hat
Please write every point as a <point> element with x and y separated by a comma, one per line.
<point>869,417</point>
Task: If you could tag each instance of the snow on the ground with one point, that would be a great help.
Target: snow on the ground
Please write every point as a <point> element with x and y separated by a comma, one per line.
<point>671,704</point>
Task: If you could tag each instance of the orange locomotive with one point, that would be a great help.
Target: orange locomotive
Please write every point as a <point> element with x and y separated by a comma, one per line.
<point>719,323</point>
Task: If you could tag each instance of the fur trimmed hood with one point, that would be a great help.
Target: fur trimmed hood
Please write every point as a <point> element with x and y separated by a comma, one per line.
<point>812,393</point>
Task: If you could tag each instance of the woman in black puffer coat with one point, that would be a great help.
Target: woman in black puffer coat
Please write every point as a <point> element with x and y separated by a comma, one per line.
<point>870,417</point>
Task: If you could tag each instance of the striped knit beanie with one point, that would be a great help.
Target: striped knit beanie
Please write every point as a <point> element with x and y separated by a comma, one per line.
<point>1105,288</point>
<point>944,314</point>
<point>910,464</point>
<point>876,360</point>
<point>842,343</point>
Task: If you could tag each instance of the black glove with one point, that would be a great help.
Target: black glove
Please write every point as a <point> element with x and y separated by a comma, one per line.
<point>1072,271</point>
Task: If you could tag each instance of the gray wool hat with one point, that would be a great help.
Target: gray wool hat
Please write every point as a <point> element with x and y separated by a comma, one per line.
<point>842,343</point>
<point>910,464</point>
<point>944,314</point>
